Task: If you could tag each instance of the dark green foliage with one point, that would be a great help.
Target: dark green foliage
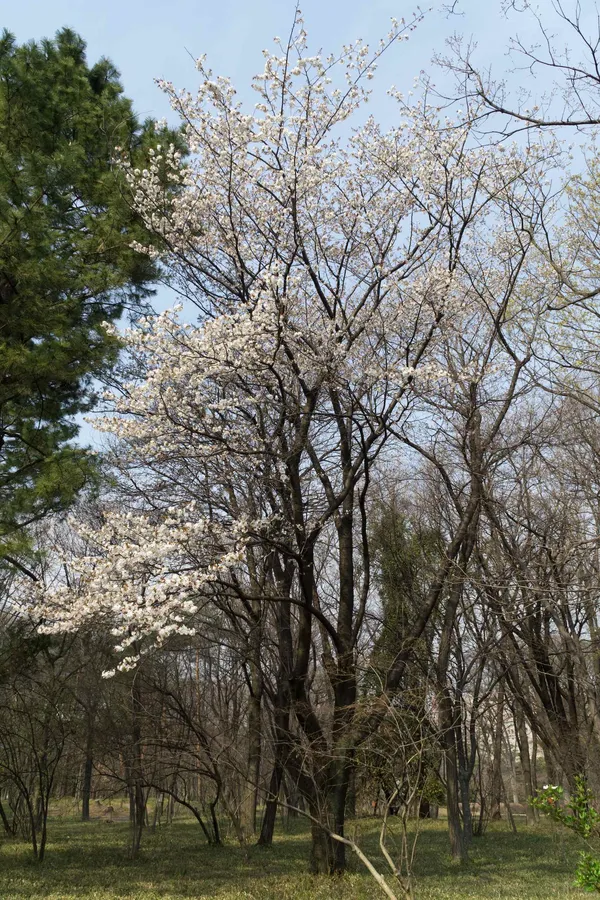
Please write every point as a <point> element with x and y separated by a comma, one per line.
<point>20,646</point>
<point>406,554</point>
<point>403,755</point>
<point>66,265</point>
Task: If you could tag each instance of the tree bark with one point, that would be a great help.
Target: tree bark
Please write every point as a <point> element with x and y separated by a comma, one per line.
<point>4,818</point>
<point>322,857</point>
<point>270,814</point>
<point>86,787</point>
<point>458,845</point>
<point>496,785</point>
<point>254,758</point>
<point>526,767</point>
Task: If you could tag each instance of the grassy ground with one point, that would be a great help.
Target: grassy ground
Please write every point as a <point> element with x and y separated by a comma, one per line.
<point>88,862</point>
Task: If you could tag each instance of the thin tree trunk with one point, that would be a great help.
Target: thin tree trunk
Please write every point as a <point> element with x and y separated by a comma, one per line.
<point>254,757</point>
<point>458,846</point>
<point>4,818</point>
<point>86,787</point>
<point>496,786</point>
<point>351,796</point>
<point>526,767</point>
<point>43,830</point>
<point>137,798</point>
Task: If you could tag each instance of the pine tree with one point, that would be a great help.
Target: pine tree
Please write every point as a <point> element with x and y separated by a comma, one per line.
<point>66,264</point>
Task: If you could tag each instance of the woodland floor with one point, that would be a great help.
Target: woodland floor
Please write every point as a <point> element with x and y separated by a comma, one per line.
<point>89,862</point>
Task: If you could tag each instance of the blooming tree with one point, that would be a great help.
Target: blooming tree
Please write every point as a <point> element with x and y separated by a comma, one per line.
<point>329,266</point>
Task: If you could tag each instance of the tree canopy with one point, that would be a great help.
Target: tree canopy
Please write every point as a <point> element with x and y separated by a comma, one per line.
<point>348,556</point>
<point>66,263</point>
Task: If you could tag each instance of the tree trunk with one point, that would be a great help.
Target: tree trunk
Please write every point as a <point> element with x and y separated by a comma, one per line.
<point>86,787</point>
<point>464,782</point>
<point>270,815</point>
<point>351,795</point>
<point>157,810</point>
<point>526,767</point>
<point>552,771</point>
<point>340,795</point>
<point>137,797</point>
<point>43,831</point>
<point>322,858</point>
<point>496,786</point>
<point>4,818</point>
<point>254,756</point>
<point>458,846</point>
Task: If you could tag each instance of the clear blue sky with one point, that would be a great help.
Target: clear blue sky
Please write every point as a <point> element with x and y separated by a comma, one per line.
<point>154,38</point>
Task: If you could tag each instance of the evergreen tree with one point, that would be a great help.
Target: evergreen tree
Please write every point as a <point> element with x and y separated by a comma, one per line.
<point>66,264</point>
<point>406,552</point>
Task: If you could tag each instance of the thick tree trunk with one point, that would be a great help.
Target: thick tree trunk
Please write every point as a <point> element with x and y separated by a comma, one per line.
<point>270,815</point>
<point>340,795</point>
<point>322,857</point>
<point>552,771</point>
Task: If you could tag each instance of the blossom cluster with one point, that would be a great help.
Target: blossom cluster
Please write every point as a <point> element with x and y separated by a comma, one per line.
<point>328,268</point>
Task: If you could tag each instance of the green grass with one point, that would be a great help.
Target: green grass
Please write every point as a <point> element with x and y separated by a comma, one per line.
<point>89,862</point>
